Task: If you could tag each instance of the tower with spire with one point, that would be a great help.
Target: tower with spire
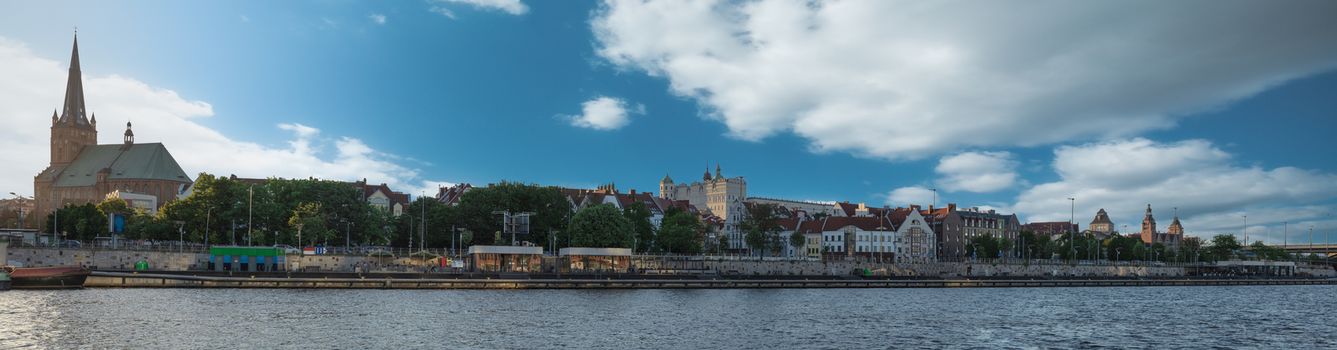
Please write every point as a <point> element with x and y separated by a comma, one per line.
<point>1148,227</point>
<point>72,128</point>
<point>82,171</point>
<point>1175,227</point>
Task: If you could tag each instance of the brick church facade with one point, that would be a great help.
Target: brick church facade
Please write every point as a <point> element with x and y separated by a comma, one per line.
<point>82,171</point>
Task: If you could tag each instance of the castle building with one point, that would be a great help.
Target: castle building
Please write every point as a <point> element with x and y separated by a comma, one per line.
<point>1102,223</point>
<point>82,171</point>
<point>1169,239</point>
<point>715,195</point>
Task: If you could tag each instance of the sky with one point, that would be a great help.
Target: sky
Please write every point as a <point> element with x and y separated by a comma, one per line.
<point>1214,110</point>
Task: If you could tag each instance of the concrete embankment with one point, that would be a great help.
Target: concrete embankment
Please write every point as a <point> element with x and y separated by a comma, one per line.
<point>101,279</point>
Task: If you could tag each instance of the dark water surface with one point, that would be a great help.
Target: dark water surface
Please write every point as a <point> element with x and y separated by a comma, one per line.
<point>1287,317</point>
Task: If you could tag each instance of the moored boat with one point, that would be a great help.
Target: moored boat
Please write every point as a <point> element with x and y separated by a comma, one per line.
<point>4,280</point>
<point>61,277</point>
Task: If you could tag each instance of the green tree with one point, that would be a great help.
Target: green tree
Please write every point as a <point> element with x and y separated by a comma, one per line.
<point>600,226</point>
<point>1223,246</point>
<point>761,227</point>
<point>78,222</point>
<point>639,215</point>
<point>797,240</point>
<point>552,211</point>
<point>680,233</point>
<point>309,223</point>
<point>987,246</point>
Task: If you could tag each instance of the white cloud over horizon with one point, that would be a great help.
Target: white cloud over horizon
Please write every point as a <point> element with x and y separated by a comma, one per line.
<point>908,80</point>
<point>34,86</point>
<point>604,113</point>
<point>377,18</point>
<point>1212,193</point>
<point>979,172</point>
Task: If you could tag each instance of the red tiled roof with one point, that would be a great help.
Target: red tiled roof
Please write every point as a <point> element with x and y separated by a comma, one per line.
<point>847,208</point>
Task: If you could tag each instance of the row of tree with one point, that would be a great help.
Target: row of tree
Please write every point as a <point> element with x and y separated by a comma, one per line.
<point>307,211</point>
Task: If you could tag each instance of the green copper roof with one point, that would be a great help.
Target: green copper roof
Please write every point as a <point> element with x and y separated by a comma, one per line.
<point>140,161</point>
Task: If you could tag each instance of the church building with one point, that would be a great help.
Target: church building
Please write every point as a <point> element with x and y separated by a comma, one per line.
<point>82,171</point>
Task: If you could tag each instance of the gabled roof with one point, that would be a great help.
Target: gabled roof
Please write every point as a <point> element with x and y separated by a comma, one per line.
<point>847,208</point>
<point>140,161</point>
<point>1101,218</point>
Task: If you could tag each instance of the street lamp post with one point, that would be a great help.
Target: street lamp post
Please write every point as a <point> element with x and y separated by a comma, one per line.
<point>250,204</point>
<point>208,212</point>
<point>1072,236</point>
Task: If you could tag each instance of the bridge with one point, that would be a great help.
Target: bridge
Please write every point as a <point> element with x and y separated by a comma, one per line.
<point>1329,249</point>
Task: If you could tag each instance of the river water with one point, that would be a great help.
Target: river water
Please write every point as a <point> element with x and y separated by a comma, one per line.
<point>1289,317</point>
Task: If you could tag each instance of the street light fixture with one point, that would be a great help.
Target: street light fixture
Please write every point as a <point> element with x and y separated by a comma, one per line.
<point>1072,236</point>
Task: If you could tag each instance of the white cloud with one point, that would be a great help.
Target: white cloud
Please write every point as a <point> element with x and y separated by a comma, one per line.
<point>514,7</point>
<point>977,171</point>
<point>377,18</point>
<point>907,79</point>
<point>913,195</point>
<point>34,86</point>
<point>1211,193</point>
<point>604,113</point>
<point>245,19</point>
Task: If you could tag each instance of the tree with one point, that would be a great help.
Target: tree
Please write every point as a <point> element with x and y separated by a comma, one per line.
<point>1223,246</point>
<point>680,233</point>
<point>307,221</point>
<point>600,226</point>
<point>552,211</point>
<point>761,227</point>
<point>797,240</point>
<point>639,216</point>
<point>987,245</point>
<point>78,222</point>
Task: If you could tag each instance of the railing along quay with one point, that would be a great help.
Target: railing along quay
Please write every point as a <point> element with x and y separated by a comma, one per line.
<point>149,280</point>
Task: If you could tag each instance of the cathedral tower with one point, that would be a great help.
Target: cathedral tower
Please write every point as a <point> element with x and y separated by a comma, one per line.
<point>72,129</point>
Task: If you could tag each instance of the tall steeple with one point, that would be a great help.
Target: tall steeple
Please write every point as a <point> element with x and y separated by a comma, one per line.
<point>74,111</point>
<point>72,130</point>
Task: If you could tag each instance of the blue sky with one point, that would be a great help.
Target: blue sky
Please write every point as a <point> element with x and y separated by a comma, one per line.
<point>1013,113</point>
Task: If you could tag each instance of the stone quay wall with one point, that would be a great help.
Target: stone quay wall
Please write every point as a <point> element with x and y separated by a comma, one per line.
<point>841,268</point>
<point>184,261</point>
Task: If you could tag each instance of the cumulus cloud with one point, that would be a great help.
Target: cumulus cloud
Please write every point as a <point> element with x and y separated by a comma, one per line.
<point>34,86</point>
<point>1211,193</point>
<point>377,18</point>
<point>514,7</point>
<point>977,171</point>
<point>604,113</point>
<point>906,196</point>
<point>907,79</point>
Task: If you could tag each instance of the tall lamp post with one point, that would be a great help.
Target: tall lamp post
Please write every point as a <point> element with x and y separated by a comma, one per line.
<point>250,203</point>
<point>1072,236</point>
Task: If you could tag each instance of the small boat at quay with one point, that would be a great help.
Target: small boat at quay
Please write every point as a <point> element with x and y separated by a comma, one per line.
<point>60,277</point>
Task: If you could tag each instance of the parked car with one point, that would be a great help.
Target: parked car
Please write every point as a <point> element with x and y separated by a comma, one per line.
<point>287,249</point>
<point>70,243</point>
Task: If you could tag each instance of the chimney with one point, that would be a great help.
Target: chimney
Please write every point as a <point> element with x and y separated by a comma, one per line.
<point>930,208</point>
<point>633,192</point>
<point>951,206</point>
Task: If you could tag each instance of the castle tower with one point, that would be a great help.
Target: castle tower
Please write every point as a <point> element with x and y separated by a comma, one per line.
<point>666,188</point>
<point>1175,227</point>
<point>72,130</point>
<point>1148,227</point>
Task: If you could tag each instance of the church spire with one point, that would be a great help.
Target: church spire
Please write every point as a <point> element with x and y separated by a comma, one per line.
<point>74,91</point>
